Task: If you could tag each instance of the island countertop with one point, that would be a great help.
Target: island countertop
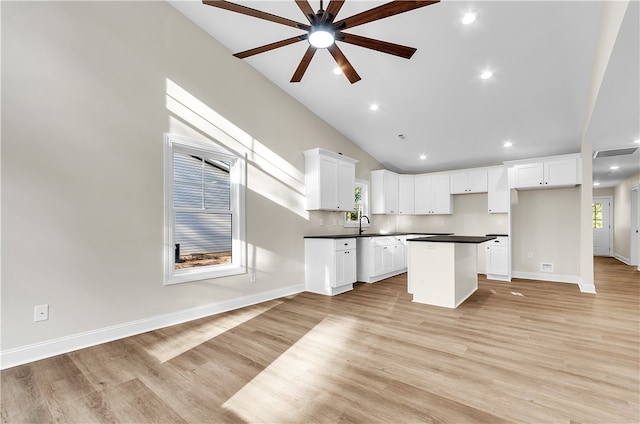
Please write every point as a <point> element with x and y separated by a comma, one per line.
<point>341,236</point>
<point>454,239</point>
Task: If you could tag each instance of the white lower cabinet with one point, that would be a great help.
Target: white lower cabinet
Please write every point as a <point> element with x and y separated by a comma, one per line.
<point>330,265</point>
<point>381,257</point>
<point>497,259</point>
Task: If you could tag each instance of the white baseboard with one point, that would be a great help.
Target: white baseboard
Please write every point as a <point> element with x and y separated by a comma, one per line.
<point>622,259</point>
<point>544,276</point>
<point>25,354</point>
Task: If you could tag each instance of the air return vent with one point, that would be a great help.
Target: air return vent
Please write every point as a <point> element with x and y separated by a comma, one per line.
<point>614,152</point>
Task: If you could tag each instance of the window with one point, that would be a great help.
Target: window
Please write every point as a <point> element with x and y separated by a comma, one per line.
<point>204,211</point>
<point>361,205</point>
<point>596,215</point>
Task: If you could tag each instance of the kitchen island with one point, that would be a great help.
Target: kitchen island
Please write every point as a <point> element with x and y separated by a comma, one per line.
<point>442,270</point>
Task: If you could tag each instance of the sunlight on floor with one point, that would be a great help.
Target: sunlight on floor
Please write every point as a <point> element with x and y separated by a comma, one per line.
<point>294,375</point>
<point>183,341</point>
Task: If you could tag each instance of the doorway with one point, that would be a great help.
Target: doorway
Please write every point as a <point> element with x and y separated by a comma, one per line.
<point>633,250</point>
<point>601,212</point>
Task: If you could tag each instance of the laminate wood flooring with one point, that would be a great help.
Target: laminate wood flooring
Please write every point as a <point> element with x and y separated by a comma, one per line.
<point>526,351</point>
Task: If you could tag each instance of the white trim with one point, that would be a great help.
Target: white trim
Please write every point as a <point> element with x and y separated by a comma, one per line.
<point>556,278</point>
<point>24,354</point>
<point>586,288</point>
<point>238,175</point>
<point>626,261</point>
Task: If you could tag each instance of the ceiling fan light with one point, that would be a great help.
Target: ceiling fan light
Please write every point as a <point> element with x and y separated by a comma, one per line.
<point>321,37</point>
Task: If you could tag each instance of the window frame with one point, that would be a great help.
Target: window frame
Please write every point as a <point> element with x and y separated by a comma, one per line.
<point>364,193</point>
<point>207,150</point>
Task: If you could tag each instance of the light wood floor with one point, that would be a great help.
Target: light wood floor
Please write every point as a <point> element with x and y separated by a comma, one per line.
<point>521,352</point>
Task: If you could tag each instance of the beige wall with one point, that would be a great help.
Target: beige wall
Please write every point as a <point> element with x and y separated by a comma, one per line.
<point>547,223</point>
<point>622,217</point>
<point>88,89</point>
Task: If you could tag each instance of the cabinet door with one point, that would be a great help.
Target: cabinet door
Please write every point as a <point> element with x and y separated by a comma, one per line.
<point>391,192</point>
<point>497,259</point>
<point>328,183</point>
<point>561,172</point>
<point>440,194</point>
<point>377,259</point>
<point>399,257</point>
<point>498,191</point>
<point>387,259</point>
<point>406,194</point>
<point>346,183</point>
<point>477,181</point>
<point>350,267</point>
<point>528,175</point>
<point>339,271</point>
<point>423,194</point>
<point>459,182</point>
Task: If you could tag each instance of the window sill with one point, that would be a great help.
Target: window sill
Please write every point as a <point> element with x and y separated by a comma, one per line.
<point>203,273</point>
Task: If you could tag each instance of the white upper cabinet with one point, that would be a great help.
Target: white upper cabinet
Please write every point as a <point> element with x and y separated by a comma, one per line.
<point>556,171</point>
<point>406,194</point>
<point>498,199</point>
<point>330,180</point>
<point>469,181</point>
<point>432,194</point>
<point>384,192</point>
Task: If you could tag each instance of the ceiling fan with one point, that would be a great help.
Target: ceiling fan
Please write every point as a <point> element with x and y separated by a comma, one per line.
<point>323,31</point>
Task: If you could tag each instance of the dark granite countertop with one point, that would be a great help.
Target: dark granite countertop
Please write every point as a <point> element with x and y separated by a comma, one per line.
<point>454,239</point>
<point>342,236</point>
<point>497,235</point>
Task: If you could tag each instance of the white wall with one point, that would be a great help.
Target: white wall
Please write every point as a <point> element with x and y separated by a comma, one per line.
<point>546,223</point>
<point>89,88</point>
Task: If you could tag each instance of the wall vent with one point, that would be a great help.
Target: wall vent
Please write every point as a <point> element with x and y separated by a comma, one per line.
<point>614,152</point>
<point>546,267</point>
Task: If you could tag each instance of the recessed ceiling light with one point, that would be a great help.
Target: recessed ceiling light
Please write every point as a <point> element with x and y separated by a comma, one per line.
<point>337,70</point>
<point>486,75</point>
<point>614,167</point>
<point>423,157</point>
<point>507,144</point>
<point>374,106</point>
<point>469,18</point>
<point>595,183</point>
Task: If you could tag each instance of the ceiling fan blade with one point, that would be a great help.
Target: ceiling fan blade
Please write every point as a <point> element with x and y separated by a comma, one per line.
<point>343,63</point>
<point>221,4</point>
<point>305,7</point>
<point>332,10</point>
<point>381,46</point>
<point>304,64</point>
<point>270,46</point>
<point>384,11</point>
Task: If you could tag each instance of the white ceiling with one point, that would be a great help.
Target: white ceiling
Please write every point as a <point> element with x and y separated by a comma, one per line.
<point>541,54</point>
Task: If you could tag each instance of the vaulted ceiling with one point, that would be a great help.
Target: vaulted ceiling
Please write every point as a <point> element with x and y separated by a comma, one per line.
<point>541,54</point>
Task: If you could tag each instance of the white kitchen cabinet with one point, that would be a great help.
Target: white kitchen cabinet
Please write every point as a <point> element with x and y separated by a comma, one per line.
<point>330,180</point>
<point>384,192</point>
<point>432,194</point>
<point>498,196</point>
<point>330,265</point>
<point>406,194</point>
<point>469,181</point>
<point>380,257</point>
<point>497,259</point>
<point>558,171</point>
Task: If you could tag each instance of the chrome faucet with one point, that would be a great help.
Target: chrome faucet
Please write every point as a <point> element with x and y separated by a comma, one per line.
<point>360,223</point>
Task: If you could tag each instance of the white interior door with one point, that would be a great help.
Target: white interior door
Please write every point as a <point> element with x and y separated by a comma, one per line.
<point>634,257</point>
<point>602,231</point>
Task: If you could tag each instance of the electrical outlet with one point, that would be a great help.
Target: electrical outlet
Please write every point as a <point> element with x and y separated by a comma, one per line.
<point>321,222</point>
<point>442,222</point>
<point>253,277</point>
<point>530,255</point>
<point>41,313</point>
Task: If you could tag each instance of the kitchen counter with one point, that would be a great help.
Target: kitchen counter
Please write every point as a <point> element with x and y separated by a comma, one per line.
<point>453,239</point>
<point>341,236</point>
